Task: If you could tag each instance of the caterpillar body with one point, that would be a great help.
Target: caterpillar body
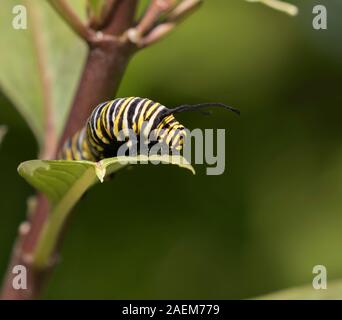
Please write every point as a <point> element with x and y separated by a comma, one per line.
<point>112,123</point>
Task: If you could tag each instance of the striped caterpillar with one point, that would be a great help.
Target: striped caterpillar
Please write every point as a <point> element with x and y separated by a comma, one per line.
<point>111,124</point>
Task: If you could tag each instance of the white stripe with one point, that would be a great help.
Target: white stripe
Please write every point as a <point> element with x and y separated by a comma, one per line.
<point>150,122</point>
<point>178,137</point>
<point>125,128</point>
<point>138,107</point>
<point>108,119</point>
<point>95,117</point>
<point>119,102</point>
<point>116,106</point>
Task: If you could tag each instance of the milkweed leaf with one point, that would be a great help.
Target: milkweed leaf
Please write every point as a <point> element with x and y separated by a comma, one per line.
<point>20,78</point>
<point>64,183</point>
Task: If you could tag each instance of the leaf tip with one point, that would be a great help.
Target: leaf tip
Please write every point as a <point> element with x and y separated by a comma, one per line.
<point>100,171</point>
<point>29,167</point>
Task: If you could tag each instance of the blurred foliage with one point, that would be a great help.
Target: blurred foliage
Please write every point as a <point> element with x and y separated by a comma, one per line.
<point>156,232</point>
<point>3,131</point>
<point>20,79</point>
<point>95,9</point>
<point>96,6</point>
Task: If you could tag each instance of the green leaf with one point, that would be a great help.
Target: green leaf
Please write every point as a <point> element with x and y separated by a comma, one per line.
<point>333,291</point>
<point>63,54</point>
<point>64,182</point>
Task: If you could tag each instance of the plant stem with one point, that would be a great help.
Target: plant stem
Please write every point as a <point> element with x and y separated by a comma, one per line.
<point>110,50</point>
<point>22,255</point>
<point>103,71</point>
<point>101,77</point>
<point>100,80</point>
<point>71,18</point>
<point>51,231</point>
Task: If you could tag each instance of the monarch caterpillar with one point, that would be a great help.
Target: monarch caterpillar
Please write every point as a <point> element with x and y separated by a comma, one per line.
<point>110,122</point>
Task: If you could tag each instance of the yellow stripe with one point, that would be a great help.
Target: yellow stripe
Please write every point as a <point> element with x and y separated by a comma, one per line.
<point>117,118</point>
<point>149,112</point>
<point>68,154</point>
<point>125,117</point>
<point>85,146</point>
<point>166,120</point>
<point>172,129</point>
<point>177,138</point>
<point>99,131</point>
<point>92,139</point>
<point>86,151</point>
<point>75,151</point>
<point>141,116</point>
<point>104,118</point>
<point>167,131</point>
<point>96,146</point>
<point>164,123</point>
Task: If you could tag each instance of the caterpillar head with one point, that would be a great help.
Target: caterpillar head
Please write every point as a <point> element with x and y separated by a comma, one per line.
<point>175,133</point>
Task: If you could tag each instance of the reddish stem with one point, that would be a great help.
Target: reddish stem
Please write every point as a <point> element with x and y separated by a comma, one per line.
<point>103,71</point>
<point>109,53</point>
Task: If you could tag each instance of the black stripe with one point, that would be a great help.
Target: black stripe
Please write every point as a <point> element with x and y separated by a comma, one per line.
<point>80,143</point>
<point>131,113</point>
<point>159,118</point>
<point>139,113</point>
<point>111,121</point>
<point>104,126</point>
<point>119,107</point>
<point>96,153</point>
<point>147,108</point>
<point>122,114</point>
<point>92,118</point>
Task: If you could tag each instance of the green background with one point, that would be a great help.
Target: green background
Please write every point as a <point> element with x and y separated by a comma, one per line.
<point>158,232</point>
